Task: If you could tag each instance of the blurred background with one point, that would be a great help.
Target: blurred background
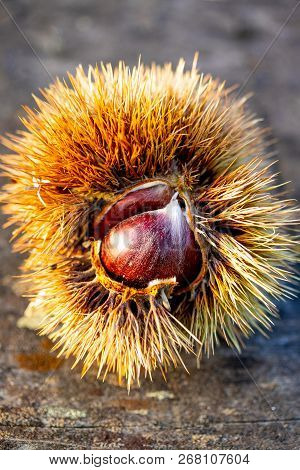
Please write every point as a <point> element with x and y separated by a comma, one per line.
<point>232,402</point>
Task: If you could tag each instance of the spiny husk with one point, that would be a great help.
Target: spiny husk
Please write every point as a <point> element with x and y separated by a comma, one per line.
<point>107,130</point>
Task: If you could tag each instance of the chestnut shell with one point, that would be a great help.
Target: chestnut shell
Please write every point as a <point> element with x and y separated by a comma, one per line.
<point>153,245</point>
<point>144,198</point>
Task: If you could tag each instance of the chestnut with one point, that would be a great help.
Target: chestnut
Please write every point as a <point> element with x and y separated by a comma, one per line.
<point>146,237</point>
<point>152,219</point>
<point>142,198</point>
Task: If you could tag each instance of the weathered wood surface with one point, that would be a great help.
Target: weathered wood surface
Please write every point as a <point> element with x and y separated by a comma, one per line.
<point>43,405</point>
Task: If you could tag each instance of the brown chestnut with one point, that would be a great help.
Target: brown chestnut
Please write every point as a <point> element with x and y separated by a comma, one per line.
<point>152,244</point>
<point>146,197</point>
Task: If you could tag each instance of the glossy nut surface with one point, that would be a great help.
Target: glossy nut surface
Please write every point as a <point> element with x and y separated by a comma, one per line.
<point>158,244</point>
<point>144,198</point>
